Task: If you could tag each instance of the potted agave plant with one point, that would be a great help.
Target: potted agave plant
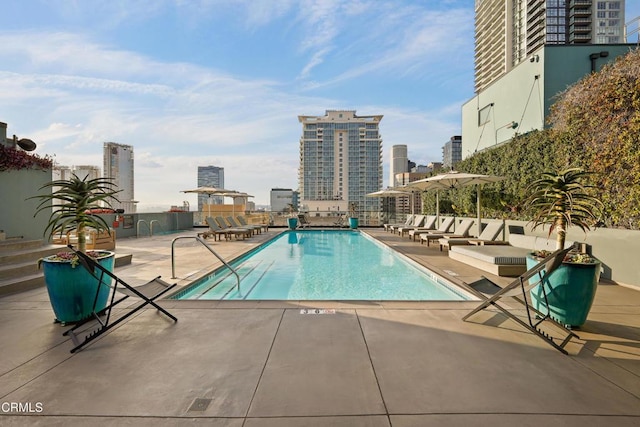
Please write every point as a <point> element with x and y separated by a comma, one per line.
<point>74,291</point>
<point>561,200</point>
<point>353,215</point>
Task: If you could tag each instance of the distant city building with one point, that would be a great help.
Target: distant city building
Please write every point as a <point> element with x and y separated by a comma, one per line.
<point>420,169</point>
<point>118,165</point>
<point>210,176</point>
<point>399,163</point>
<point>282,199</point>
<point>507,32</point>
<point>452,152</point>
<point>403,204</point>
<point>340,162</point>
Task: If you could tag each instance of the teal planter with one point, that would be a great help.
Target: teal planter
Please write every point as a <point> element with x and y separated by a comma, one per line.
<point>293,223</point>
<point>72,290</point>
<point>353,223</point>
<point>573,289</point>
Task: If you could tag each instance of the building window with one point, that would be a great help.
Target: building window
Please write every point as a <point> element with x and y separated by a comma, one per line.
<point>483,115</point>
<point>614,5</point>
<point>602,5</point>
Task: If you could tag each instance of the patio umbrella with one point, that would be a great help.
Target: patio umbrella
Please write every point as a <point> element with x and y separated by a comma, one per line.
<point>392,192</point>
<point>209,191</point>
<point>235,195</point>
<point>455,179</point>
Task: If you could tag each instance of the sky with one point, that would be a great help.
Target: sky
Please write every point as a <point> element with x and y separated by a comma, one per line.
<point>193,83</point>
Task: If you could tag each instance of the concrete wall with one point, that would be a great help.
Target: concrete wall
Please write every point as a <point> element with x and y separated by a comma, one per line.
<point>519,96</point>
<point>16,212</point>
<point>617,249</point>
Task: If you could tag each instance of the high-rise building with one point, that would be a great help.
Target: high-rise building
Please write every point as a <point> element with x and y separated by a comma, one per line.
<point>118,165</point>
<point>210,176</point>
<point>507,32</point>
<point>340,162</point>
<point>283,199</point>
<point>399,163</point>
<point>452,152</point>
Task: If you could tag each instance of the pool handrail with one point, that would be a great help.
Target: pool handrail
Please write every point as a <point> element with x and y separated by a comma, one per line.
<point>206,245</point>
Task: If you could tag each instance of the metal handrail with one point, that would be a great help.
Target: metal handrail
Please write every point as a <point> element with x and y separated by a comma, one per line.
<point>151,225</point>
<point>199,239</point>
<point>142,221</point>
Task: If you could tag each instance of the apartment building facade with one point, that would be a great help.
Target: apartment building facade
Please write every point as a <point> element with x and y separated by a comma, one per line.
<point>507,32</point>
<point>340,162</point>
<point>118,166</point>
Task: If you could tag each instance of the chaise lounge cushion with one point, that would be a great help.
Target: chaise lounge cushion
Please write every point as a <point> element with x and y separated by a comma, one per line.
<point>503,255</point>
<point>507,260</point>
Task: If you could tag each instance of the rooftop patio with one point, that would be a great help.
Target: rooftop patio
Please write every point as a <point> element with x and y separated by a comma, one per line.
<point>264,363</point>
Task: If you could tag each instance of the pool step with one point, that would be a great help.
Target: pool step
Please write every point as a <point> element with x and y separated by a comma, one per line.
<point>225,286</point>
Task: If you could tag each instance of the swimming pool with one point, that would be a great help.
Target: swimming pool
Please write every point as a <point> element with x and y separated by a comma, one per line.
<point>324,265</point>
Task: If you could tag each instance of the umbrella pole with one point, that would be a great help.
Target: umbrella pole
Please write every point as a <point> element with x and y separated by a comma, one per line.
<point>478,209</point>
<point>438,207</point>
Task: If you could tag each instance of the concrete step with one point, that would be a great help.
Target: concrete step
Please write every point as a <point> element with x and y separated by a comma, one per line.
<point>25,255</point>
<point>13,245</point>
<point>34,280</point>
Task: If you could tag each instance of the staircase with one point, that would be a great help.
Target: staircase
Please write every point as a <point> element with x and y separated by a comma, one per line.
<point>223,284</point>
<point>19,264</point>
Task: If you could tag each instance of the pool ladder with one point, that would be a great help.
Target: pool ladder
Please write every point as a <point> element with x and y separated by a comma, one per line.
<point>206,245</point>
<point>148,225</point>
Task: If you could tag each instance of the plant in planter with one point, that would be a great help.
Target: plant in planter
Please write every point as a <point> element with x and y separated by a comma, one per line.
<point>353,215</point>
<point>74,291</point>
<point>561,200</point>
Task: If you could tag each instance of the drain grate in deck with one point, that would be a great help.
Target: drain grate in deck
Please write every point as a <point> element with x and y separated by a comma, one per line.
<point>199,405</point>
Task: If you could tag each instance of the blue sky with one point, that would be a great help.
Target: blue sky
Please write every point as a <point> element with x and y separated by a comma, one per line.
<point>192,83</point>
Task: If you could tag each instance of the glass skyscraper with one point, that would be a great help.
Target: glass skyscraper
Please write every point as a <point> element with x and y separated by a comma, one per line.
<point>210,176</point>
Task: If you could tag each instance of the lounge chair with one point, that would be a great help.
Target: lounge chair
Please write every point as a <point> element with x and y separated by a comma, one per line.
<point>503,260</point>
<point>214,230</point>
<point>518,290</point>
<point>429,225</point>
<point>461,231</point>
<point>340,221</point>
<point>418,221</point>
<point>390,227</point>
<point>233,231</point>
<point>443,228</point>
<point>103,320</point>
<point>255,229</point>
<point>243,222</point>
<point>487,237</point>
<point>303,220</point>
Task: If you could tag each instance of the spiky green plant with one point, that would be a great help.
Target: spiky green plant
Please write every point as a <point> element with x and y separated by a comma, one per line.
<point>70,202</point>
<point>562,200</point>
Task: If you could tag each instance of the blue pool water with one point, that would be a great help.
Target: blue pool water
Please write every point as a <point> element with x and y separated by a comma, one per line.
<point>324,265</point>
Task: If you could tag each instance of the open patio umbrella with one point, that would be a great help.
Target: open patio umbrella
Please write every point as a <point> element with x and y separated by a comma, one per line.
<point>235,195</point>
<point>455,179</point>
<point>209,191</point>
<point>393,192</point>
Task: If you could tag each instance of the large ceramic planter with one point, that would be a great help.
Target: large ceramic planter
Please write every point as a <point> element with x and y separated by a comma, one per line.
<point>353,223</point>
<point>72,290</point>
<point>293,223</point>
<point>573,288</point>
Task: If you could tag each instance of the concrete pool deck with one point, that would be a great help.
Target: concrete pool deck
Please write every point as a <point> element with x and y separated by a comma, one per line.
<point>264,363</point>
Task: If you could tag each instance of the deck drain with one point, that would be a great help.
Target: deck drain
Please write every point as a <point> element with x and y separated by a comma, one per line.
<point>199,405</point>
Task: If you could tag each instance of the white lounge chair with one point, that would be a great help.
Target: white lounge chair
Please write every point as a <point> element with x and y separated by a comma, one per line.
<point>462,230</point>
<point>444,227</point>
<point>487,237</point>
